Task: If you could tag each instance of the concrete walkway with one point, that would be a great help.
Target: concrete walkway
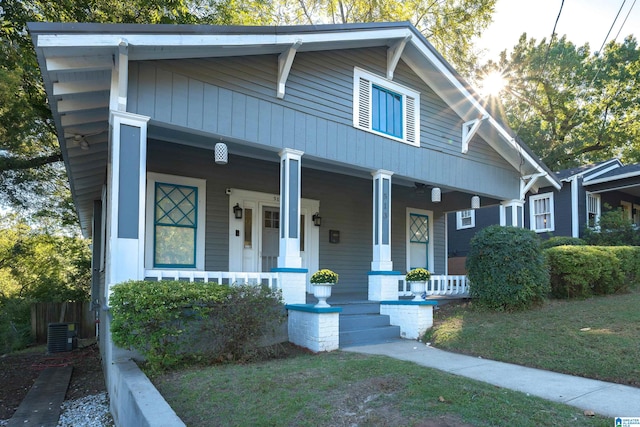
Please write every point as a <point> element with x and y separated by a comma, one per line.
<point>607,399</point>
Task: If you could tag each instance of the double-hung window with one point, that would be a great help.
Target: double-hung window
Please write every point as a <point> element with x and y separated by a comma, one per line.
<point>175,222</point>
<point>593,210</point>
<point>385,108</point>
<point>465,219</point>
<point>541,212</point>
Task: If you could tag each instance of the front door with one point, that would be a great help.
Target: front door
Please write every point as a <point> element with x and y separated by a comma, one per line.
<point>270,238</point>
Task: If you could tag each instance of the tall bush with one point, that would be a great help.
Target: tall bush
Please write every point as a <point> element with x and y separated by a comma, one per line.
<point>507,269</point>
<point>165,321</point>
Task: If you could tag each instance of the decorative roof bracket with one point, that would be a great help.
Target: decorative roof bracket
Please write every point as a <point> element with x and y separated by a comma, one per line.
<point>393,56</point>
<point>285,61</point>
<point>469,130</point>
<point>525,187</point>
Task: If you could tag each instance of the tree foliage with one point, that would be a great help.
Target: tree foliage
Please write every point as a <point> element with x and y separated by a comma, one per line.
<point>570,106</point>
<point>450,25</point>
<point>41,267</point>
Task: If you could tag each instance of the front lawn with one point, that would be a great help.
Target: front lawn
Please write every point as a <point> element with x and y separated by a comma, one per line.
<point>347,389</point>
<point>595,338</point>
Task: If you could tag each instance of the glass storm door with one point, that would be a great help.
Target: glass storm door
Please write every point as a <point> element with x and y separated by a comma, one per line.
<point>270,238</point>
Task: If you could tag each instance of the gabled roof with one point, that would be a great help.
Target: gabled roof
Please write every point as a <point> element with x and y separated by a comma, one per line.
<point>589,171</point>
<point>78,63</point>
<point>629,171</point>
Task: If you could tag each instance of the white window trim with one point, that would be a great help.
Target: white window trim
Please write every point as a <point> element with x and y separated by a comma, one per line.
<point>599,210</point>
<point>411,137</point>
<point>200,184</point>
<point>460,225</point>
<point>532,221</point>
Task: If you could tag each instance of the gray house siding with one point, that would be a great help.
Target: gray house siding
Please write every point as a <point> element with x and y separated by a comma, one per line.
<point>234,98</point>
<point>345,205</point>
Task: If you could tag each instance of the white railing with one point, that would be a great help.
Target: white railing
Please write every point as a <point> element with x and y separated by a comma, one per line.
<point>439,285</point>
<point>222,277</point>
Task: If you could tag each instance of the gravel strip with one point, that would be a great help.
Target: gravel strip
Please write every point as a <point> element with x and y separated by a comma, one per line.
<point>89,411</point>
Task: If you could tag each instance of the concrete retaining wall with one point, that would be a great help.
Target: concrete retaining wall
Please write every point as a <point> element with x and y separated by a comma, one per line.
<point>135,401</point>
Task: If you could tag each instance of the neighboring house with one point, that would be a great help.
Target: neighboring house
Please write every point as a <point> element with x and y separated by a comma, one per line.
<point>261,154</point>
<point>585,193</point>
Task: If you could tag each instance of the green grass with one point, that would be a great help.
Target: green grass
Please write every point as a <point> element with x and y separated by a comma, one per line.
<point>350,389</point>
<point>595,338</point>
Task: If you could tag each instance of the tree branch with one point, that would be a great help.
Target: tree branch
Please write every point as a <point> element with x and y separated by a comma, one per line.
<point>13,164</point>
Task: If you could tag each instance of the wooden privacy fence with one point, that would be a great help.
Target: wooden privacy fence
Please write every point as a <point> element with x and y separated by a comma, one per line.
<point>43,313</point>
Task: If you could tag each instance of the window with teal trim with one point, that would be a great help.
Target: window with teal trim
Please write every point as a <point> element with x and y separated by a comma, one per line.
<point>175,225</point>
<point>386,111</point>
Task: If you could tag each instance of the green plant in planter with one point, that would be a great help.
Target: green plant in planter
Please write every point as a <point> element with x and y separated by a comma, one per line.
<point>324,276</point>
<point>418,275</point>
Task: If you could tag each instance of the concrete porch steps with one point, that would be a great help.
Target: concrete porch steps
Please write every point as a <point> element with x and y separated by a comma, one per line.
<point>361,323</point>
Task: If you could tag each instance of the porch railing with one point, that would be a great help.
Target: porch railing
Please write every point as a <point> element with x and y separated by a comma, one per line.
<point>439,285</point>
<point>222,277</point>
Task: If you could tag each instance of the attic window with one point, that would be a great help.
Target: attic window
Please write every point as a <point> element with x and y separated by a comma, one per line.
<point>385,108</point>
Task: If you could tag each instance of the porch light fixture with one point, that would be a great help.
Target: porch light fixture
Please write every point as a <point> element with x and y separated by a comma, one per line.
<point>475,202</point>
<point>317,219</point>
<point>221,155</point>
<point>436,195</point>
<point>237,211</point>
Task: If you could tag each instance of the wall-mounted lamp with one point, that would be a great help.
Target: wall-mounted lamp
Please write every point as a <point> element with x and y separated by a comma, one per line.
<point>436,195</point>
<point>475,202</point>
<point>317,219</point>
<point>221,154</point>
<point>237,211</point>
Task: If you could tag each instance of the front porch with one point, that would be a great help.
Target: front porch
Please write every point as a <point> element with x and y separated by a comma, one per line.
<point>353,319</point>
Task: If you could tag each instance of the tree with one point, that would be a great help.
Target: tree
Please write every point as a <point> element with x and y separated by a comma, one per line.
<point>450,25</point>
<point>570,106</point>
<point>42,267</point>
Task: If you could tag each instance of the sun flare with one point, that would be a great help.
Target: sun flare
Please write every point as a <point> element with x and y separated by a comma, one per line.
<point>493,83</point>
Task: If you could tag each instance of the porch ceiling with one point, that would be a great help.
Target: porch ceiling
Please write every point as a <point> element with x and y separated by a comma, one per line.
<point>77,62</point>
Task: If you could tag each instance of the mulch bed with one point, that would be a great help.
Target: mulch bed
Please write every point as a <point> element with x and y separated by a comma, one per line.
<point>18,372</point>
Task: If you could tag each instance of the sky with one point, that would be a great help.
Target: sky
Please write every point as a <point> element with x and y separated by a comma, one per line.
<point>581,20</point>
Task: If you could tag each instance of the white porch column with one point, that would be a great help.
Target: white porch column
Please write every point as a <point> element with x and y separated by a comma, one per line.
<point>126,178</point>
<point>289,253</point>
<point>381,221</point>
<point>512,213</point>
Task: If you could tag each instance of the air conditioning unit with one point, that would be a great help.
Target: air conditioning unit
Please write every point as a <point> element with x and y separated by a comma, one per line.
<point>62,337</point>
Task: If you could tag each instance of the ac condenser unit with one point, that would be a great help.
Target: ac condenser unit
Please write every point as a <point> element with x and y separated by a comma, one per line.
<point>61,337</point>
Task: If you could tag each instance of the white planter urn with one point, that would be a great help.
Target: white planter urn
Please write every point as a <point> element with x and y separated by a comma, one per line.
<point>418,288</point>
<point>322,291</point>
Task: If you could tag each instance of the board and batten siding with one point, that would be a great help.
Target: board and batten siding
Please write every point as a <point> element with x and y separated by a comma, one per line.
<point>345,205</point>
<point>234,98</point>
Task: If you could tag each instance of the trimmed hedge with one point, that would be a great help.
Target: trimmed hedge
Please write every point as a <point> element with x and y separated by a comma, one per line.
<point>562,241</point>
<point>507,269</point>
<point>584,271</point>
<point>165,320</point>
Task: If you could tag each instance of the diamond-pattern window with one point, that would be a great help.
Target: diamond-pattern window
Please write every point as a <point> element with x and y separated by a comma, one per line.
<point>175,224</point>
<point>419,229</point>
